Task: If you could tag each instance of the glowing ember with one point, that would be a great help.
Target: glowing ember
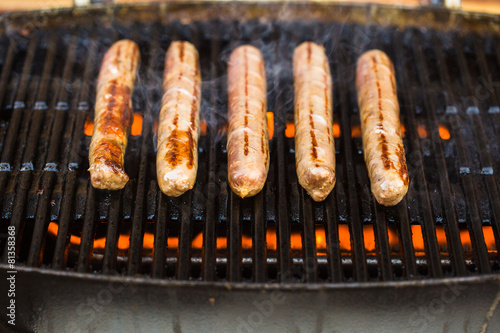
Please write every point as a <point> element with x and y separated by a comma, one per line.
<point>290,130</point>
<point>422,132</point>
<point>444,133</point>
<point>135,130</point>
<point>270,124</point>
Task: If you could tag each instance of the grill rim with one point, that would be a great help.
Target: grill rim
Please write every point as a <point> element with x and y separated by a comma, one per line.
<point>230,285</point>
<point>404,16</point>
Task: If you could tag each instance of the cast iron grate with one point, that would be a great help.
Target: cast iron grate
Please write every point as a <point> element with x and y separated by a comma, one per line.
<point>448,224</point>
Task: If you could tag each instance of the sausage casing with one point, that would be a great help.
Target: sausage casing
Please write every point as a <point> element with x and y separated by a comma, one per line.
<point>381,128</point>
<point>247,138</point>
<point>113,115</point>
<point>179,124</point>
<point>314,143</point>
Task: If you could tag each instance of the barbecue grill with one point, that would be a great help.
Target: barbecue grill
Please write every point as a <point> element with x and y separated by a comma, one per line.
<point>137,260</point>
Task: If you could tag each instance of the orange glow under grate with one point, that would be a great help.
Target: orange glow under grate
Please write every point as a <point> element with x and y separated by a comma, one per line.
<point>135,129</point>
<point>270,124</point>
<point>296,240</point>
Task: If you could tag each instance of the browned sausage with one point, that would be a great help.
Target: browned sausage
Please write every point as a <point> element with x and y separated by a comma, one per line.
<point>314,145</point>
<point>179,125</point>
<point>247,138</point>
<point>381,128</point>
<point>113,115</point>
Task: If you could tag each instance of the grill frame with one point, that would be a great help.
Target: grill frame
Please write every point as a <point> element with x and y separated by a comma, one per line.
<point>311,291</point>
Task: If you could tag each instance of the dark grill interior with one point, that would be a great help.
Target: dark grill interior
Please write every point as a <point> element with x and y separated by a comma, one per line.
<point>448,224</point>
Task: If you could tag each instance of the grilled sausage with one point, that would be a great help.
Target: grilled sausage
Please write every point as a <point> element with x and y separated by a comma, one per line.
<point>179,125</point>
<point>381,128</point>
<point>314,145</point>
<point>113,115</point>
<point>247,138</point>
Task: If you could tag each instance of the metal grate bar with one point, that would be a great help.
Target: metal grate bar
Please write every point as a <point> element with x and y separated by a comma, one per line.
<point>259,239</point>
<point>406,241</point>
<point>7,68</point>
<point>137,232</point>
<point>209,238</point>
<point>452,228</point>
<point>18,214</point>
<point>354,219</point>
<point>382,244</point>
<point>234,240</point>
<point>308,239</point>
<point>109,260</point>
<point>82,109</point>
<point>15,120</point>
<point>332,234</point>
<point>283,230</point>
<point>429,231</point>
<point>475,225</point>
<point>160,244</point>
<point>51,167</point>
<point>485,155</point>
<point>184,257</point>
<point>88,231</point>
<point>331,216</point>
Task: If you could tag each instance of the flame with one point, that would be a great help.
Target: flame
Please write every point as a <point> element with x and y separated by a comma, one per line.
<point>221,243</point>
<point>270,124</point>
<point>369,237</point>
<point>344,238</point>
<point>422,132</point>
<point>88,128</point>
<point>296,240</point>
<point>444,133</point>
<point>290,130</point>
<point>271,241</point>
<point>246,242</point>
<point>320,241</point>
<point>148,241</point>
<point>336,130</point>
<point>136,128</point>
<point>203,127</point>
<point>403,130</point>
<point>356,132</point>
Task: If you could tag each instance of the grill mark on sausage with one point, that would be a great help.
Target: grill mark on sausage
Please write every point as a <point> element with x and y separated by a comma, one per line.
<point>176,145</point>
<point>110,154</point>
<point>177,148</point>
<point>245,55</point>
<point>403,170</point>
<point>190,162</point>
<point>314,152</point>
<point>133,58</point>
<point>118,114</point>
<point>325,78</point>
<point>245,149</point>
<point>118,54</point>
<point>383,141</point>
<point>263,133</point>
<point>314,143</point>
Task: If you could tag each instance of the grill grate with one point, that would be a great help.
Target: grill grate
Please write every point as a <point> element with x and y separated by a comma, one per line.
<point>449,96</point>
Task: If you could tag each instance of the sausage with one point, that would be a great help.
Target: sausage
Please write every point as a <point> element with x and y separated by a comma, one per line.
<point>113,115</point>
<point>247,138</point>
<point>381,128</point>
<point>314,144</point>
<point>179,123</point>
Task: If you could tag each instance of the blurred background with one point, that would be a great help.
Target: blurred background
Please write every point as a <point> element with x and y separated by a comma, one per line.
<point>486,6</point>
